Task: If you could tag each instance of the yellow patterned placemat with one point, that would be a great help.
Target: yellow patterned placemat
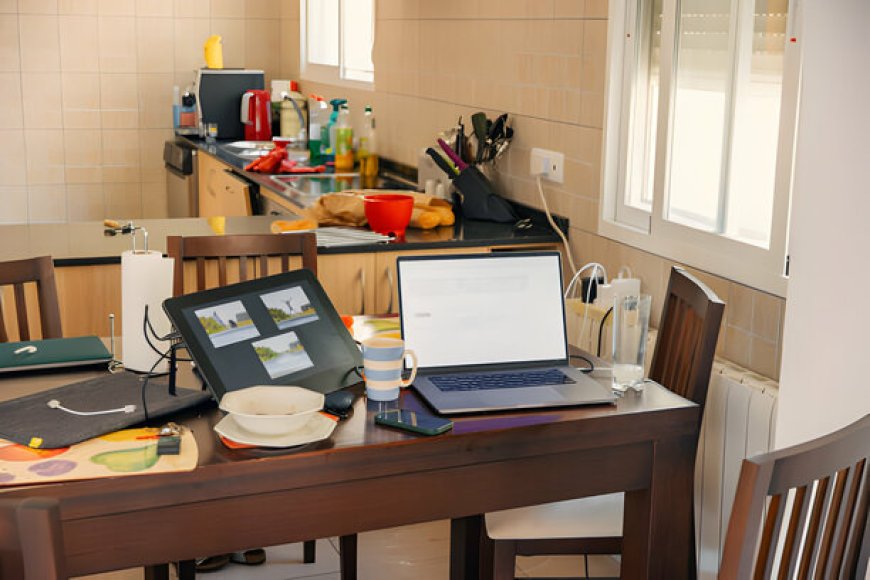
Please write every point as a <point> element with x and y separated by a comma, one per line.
<point>125,452</point>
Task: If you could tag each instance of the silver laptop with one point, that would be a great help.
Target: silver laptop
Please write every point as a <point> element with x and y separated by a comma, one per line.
<point>489,332</point>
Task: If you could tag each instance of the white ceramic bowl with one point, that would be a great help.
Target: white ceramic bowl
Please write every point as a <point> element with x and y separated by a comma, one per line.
<point>272,410</point>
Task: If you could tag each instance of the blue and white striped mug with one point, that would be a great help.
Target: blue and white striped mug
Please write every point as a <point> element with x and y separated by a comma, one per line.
<point>383,359</point>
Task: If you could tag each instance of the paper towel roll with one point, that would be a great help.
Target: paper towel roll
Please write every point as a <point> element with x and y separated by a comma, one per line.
<point>146,278</point>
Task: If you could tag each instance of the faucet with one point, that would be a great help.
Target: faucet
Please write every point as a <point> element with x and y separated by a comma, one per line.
<point>302,136</point>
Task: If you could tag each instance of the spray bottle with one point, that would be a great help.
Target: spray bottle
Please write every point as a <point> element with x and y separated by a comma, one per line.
<point>329,145</point>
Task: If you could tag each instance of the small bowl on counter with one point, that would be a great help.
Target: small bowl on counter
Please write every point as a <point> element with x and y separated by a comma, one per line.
<point>388,213</point>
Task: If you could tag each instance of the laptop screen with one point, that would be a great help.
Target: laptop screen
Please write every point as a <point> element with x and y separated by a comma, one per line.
<point>483,309</point>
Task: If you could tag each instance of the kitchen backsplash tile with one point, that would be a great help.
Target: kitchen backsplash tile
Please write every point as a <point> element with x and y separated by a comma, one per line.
<point>13,158</point>
<point>79,43</point>
<point>85,202</point>
<point>10,57</point>
<point>47,203</point>
<point>13,200</point>
<point>155,48</point>
<point>117,44</point>
<point>42,100</point>
<point>90,7</point>
<point>37,6</point>
<point>157,8</point>
<point>12,111</point>
<point>39,43</point>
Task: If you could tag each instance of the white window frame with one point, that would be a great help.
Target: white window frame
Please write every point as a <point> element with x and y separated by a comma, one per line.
<point>333,75</point>
<point>761,268</point>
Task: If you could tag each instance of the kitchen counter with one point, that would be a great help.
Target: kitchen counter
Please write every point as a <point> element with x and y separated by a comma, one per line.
<point>83,243</point>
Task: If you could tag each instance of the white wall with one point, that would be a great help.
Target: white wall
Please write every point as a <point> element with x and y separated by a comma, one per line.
<point>825,377</point>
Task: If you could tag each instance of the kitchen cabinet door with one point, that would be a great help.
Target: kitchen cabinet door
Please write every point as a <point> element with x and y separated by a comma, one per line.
<point>221,192</point>
<point>348,280</point>
<point>386,300</point>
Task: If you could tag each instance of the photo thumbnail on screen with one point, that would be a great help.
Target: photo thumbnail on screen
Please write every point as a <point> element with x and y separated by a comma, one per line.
<point>289,307</point>
<point>282,355</point>
<point>227,323</point>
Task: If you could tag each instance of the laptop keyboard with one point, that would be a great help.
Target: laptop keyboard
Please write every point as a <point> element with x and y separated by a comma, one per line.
<point>486,381</point>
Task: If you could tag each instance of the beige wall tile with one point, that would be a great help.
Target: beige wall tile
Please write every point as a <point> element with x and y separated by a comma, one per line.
<point>86,202</point>
<point>37,6</point>
<point>232,33</point>
<point>82,147</point>
<point>13,200</point>
<point>154,201</point>
<point>40,48</point>
<point>396,9</point>
<point>190,35</point>
<point>78,6</point>
<point>262,9</point>
<point>47,203</point>
<point>79,44</point>
<point>117,7</point>
<point>120,147</point>
<point>41,99</point>
<point>10,58</point>
<point>229,9</point>
<point>596,9</point>
<point>739,310</point>
<point>155,101</point>
<point>261,39</point>
<point>11,113</point>
<point>13,158</point>
<point>569,8</point>
<point>155,51</point>
<point>764,357</point>
<point>737,346</point>
<point>81,100</point>
<point>123,200</point>
<point>151,154</point>
<point>83,174</point>
<point>119,101</point>
<point>45,156</point>
<point>289,57</point>
<point>193,9</point>
<point>767,316</point>
<point>160,8</point>
<point>117,44</point>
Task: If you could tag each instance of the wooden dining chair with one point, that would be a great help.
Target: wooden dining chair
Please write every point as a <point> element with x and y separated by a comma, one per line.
<point>31,539</point>
<point>252,251</point>
<point>17,273</point>
<point>816,497</point>
<point>682,362</point>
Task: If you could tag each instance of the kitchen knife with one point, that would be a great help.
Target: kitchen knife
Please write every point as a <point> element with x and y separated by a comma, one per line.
<point>441,162</point>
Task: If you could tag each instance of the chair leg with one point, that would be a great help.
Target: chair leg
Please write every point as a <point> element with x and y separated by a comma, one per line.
<point>309,551</point>
<point>187,570</point>
<point>347,556</point>
<point>487,555</point>
<point>157,572</point>
<point>504,561</point>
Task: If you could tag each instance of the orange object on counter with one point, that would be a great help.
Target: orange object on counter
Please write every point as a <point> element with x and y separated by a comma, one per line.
<point>280,226</point>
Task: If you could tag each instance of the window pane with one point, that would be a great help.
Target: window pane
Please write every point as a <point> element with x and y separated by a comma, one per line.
<point>358,36</point>
<point>322,32</point>
<point>701,88</point>
<point>644,107</point>
<point>756,126</point>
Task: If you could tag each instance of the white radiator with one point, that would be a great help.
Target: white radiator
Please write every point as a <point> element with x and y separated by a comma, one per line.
<point>739,422</point>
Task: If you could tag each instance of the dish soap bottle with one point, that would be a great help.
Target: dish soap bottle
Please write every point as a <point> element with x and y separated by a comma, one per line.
<point>343,141</point>
<point>318,117</point>
<point>368,146</point>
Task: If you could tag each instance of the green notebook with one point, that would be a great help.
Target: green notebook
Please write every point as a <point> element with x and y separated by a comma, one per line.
<point>52,353</point>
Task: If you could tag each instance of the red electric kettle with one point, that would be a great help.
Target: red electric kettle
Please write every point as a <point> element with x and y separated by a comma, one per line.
<point>256,115</point>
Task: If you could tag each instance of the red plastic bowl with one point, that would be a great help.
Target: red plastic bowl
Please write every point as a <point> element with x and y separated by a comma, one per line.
<point>388,213</point>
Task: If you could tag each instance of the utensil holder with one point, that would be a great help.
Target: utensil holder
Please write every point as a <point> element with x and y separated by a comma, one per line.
<point>479,200</point>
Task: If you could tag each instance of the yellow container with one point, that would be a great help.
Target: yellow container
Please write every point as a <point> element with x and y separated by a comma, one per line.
<point>214,52</point>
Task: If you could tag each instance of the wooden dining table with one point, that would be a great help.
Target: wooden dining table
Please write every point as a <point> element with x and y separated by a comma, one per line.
<point>368,477</point>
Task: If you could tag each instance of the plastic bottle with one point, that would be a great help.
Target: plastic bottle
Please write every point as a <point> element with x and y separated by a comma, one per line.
<point>318,117</point>
<point>329,144</point>
<point>368,146</point>
<point>343,141</point>
<point>291,124</point>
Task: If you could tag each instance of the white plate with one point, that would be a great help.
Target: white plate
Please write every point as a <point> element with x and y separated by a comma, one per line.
<point>315,429</point>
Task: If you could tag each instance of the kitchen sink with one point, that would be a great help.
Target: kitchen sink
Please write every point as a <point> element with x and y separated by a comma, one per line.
<point>250,148</point>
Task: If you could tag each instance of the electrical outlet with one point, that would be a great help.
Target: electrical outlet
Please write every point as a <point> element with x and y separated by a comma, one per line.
<point>548,164</point>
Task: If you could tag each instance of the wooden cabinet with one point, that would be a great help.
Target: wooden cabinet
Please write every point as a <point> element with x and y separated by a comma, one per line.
<point>221,192</point>
<point>348,280</point>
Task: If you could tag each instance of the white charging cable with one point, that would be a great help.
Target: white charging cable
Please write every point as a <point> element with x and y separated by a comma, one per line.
<point>553,223</point>
<point>55,404</point>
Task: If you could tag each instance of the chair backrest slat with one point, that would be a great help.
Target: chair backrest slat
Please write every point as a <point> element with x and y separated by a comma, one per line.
<point>17,274</point>
<point>826,534</point>
<point>252,252</point>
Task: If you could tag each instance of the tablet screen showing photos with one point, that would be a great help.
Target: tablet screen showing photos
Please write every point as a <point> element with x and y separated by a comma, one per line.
<point>278,330</point>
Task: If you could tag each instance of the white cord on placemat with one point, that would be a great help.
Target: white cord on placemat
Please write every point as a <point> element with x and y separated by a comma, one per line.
<point>55,404</point>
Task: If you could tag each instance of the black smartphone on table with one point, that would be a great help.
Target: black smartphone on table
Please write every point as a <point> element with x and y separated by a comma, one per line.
<point>414,421</point>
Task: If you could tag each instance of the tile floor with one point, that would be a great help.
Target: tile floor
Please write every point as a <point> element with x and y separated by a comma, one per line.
<point>417,552</point>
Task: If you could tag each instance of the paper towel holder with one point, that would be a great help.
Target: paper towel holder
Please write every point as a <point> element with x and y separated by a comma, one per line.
<point>113,228</point>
